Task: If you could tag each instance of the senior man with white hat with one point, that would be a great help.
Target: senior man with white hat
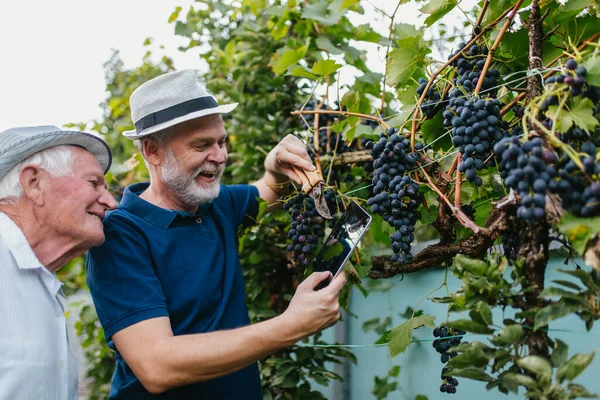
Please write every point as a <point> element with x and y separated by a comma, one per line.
<point>52,200</point>
<point>167,283</point>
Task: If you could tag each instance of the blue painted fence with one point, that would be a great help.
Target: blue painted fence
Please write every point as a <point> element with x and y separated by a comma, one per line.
<point>420,364</point>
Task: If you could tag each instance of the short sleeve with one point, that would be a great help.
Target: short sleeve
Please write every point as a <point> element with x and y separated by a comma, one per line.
<point>121,277</point>
<point>241,201</point>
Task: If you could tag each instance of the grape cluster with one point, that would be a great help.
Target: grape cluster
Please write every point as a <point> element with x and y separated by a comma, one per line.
<point>475,122</point>
<point>528,170</point>
<point>476,127</point>
<point>306,229</point>
<point>431,103</point>
<point>578,191</point>
<point>396,196</point>
<point>469,66</point>
<point>307,225</point>
<point>448,338</point>
<point>578,188</point>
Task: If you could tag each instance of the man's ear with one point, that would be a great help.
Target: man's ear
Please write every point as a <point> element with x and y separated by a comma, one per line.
<point>31,182</point>
<point>152,152</point>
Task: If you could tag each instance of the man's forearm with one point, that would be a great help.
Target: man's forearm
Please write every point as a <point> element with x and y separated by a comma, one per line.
<point>186,359</point>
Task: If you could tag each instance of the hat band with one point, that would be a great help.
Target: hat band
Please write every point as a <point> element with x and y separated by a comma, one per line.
<point>176,111</point>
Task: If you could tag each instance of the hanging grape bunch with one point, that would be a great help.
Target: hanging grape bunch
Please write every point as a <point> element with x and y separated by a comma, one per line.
<point>448,338</point>
<point>527,169</point>
<point>396,196</point>
<point>307,226</point>
<point>578,186</point>
<point>475,121</point>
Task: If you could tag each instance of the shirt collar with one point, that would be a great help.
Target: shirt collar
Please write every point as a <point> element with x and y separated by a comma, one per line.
<point>15,241</point>
<point>155,215</point>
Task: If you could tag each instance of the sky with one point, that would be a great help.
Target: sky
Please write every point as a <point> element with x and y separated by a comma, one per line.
<point>52,52</point>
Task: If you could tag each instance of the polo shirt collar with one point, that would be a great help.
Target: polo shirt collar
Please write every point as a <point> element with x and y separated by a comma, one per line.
<point>152,214</point>
<point>15,241</point>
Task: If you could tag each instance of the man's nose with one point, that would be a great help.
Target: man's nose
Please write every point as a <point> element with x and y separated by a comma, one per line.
<point>107,200</point>
<point>218,154</point>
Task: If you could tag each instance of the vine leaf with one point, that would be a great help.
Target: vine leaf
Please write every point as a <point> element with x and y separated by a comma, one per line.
<point>470,326</point>
<point>581,114</point>
<point>406,59</point>
<point>537,365</point>
<point>325,67</point>
<point>400,337</point>
<point>579,230</point>
<point>552,312</point>
<point>593,71</point>
<point>437,9</point>
<point>575,366</point>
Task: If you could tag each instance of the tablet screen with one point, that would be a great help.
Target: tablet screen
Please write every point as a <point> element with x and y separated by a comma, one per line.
<point>342,240</point>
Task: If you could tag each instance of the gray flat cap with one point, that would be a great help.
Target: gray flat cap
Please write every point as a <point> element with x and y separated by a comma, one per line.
<point>17,144</point>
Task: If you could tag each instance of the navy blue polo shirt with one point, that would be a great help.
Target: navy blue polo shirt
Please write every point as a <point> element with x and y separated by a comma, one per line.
<point>163,263</point>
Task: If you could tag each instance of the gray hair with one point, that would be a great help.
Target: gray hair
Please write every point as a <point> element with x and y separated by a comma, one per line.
<point>57,161</point>
<point>161,137</point>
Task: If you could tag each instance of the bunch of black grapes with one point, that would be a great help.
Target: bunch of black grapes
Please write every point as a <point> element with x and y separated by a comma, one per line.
<point>396,196</point>
<point>579,190</point>
<point>475,121</point>
<point>528,170</point>
<point>448,338</point>
<point>572,80</point>
<point>469,66</point>
<point>307,225</point>
<point>432,102</point>
<point>476,127</point>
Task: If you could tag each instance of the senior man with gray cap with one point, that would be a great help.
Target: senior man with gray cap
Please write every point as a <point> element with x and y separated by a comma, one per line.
<point>167,283</point>
<point>52,200</point>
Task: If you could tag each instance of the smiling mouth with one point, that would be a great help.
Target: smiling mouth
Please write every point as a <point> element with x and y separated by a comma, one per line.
<point>96,216</point>
<point>208,174</point>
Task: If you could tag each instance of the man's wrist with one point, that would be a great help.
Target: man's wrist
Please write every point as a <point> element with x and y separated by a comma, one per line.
<point>287,331</point>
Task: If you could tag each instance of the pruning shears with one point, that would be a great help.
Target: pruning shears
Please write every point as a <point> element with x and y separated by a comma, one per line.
<point>313,185</point>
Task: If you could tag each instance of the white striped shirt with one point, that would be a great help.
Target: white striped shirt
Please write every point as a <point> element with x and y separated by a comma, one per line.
<point>35,359</point>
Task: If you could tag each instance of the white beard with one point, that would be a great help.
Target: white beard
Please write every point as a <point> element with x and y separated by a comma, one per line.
<point>184,185</point>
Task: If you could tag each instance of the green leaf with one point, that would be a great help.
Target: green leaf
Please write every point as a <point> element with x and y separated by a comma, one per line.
<point>558,292</point>
<point>351,100</point>
<point>400,337</point>
<point>433,129</point>
<point>508,335</point>
<point>406,59</point>
<point>325,67</point>
<point>303,72</point>
<point>437,9</point>
<point>472,373</point>
<point>175,14</point>
<point>321,12</point>
<point>485,313</point>
<point>575,366</point>
<point>473,357</point>
<point>469,326</point>
<point>475,267</point>
<point>579,230</point>
<point>560,353</point>
<point>402,30</point>
<point>324,43</point>
<point>593,71</point>
<point>519,379</point>
<point>281,61</point>
<point>537,365</point>
<point>552,312</point>
<point>581,113</point>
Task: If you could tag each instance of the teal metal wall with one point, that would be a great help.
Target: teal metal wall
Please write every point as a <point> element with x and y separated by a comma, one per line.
<point>420,364</point>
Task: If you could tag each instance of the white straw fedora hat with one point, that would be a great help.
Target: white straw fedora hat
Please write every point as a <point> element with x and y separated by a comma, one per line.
<point>171,99</point>
<point>17,144</point>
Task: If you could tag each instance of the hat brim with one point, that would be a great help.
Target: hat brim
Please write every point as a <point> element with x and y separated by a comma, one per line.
<point>222,109</point>
<point>29,146</point>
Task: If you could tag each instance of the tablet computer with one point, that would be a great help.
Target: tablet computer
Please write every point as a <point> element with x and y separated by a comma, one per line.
<point>344,237</point>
